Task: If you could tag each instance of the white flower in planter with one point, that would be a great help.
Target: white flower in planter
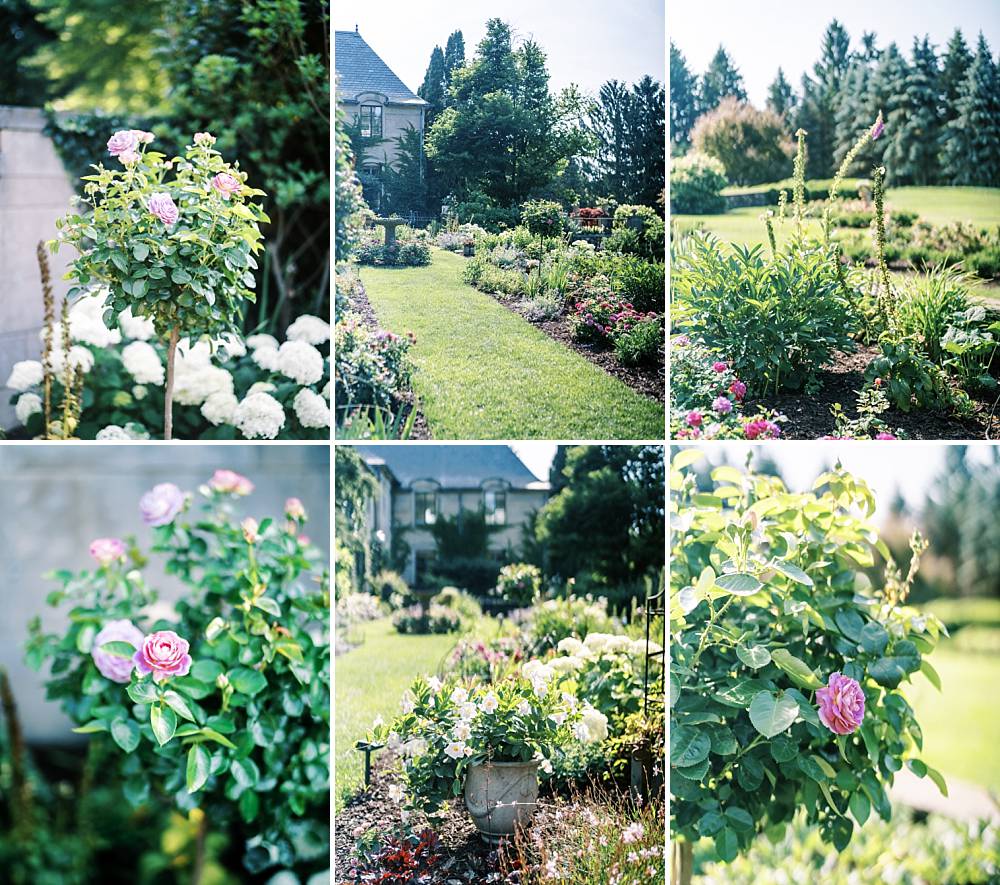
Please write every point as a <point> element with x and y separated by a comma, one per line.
<point>456,749</point>
<point>25,374</point>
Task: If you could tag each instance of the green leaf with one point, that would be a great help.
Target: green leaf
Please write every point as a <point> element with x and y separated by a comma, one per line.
<point>771,715</point>
<point>755,656</point>
<point>265,603</point>
<point>887,672</point>
<point>740,818</point>
<point>213,735</point>
<point>931,674</point>
<point>860,806</point>
<point>140,251</point>
<point>245,772</point>
<point>784,748</point>
<point>726,473</point>
<point>247,681</point>
<point>726,845</point>
<point>119,649</point>
<point>793,572</point>
<point>874,638</point>
<point>125,733</point>
<point>199,764</point>
<point>179,705</point>
<point>249,806</point>
<point>686,457</point>
<point>797,669</point>
<point>739,584</point>
<point>688,746</point>
<point>850,623</point>
<point>92,727</point>
<point>164,723</point>
<point>938,779</point>
<point>142,692</point>
<point>710,823</point>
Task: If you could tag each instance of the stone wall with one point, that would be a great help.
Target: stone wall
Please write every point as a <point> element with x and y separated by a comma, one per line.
<point>34,191</point>
<point>58,498</point>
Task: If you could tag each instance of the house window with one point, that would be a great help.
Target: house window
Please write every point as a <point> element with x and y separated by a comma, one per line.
<point>371,121</point>
<point>495,506</point>
<point>372,169</point>
<point>424,508</point>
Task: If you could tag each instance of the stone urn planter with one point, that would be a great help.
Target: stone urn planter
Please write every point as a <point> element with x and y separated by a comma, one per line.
<point>501,796</point>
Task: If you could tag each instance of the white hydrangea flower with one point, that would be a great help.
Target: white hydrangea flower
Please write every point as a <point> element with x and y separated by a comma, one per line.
<point>28,404</point>
<point>232,345</point>
<point>255,342</point>
<point>220,408</point>
<point>80,357</point>
<point>266,357</point>
<point>142,362</point>
<point>310,329</point>
<point>311,409</point>
<point>326,391</point>
<point>301,362</point>
<point>262,387</point>
<point>136,328</point>
<point>25,374</point>
<point>195,378</point>
<point>86,322</point>
<point>112,432</point>
<point>570,645</point>
<point>259,416</point>
<point>596,723</point>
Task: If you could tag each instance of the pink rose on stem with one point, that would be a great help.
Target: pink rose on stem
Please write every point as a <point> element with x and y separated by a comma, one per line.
<point>122,142</point>
<point>693,418</point>
<point>164,654</point>
<point>230,482</point>
<point>738,389</point>
<point>161,504</point>
<point>841,704</point>
<point>107,550</point>
<point>164,208</point>
<point>226,185</point>
<point>719,367</point>
<point>114,667</point>
<point>294,509</point>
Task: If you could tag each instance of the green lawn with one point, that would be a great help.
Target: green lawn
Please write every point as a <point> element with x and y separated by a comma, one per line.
<point>369,682</point>
<point>961,724</point>
<point>485,373</point>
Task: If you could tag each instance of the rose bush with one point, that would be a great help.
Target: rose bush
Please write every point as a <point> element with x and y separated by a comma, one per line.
<point>785,661</point>
<point>225,707</point>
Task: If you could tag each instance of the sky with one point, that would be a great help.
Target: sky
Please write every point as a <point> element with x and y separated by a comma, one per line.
<point>762,35</point>
<point>909,467</point>
<point>587,41</point>
<point>537,456</point>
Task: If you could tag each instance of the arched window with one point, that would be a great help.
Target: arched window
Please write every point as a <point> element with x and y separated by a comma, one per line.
<point>371,121</point>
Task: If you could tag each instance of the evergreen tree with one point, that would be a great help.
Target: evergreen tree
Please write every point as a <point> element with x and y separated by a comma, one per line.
<point>781,96</point>
<point>912,150</point>
<point>454,55</point>
<point>954,68</point>
<point>853,115</point>
<point>972,141</point>
<point>820,94</point>
<point>405,181</point>
<point>646,140</point>
<point>683,98</point>
<point>886,93</point>
<point>432,90</point>
<point>721,79</point>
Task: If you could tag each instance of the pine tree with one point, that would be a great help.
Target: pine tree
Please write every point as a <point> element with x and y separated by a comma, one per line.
<point>819,99</point>
<point>683,98</point>
<point>972,144</point>
<point>912,153</point>
<point>781,96</point>
<point>433,88</point>
<point>955,66</point>
<point>852,116</point>
<point>454,55</point>
<point>721,79</point>
<point>886,93</point>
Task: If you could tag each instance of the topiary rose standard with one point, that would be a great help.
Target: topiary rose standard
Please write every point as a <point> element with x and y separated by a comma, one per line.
<point>785,661</point>
<point>173,240</point>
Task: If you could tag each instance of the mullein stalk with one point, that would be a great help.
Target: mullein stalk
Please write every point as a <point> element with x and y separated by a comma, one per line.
<point>49,319</point>
<point>885,293</point>
<point>768,223</point>
<point>869,135</point>
<point>799,176</point>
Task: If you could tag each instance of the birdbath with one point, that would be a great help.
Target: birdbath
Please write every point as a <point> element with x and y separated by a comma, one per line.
<point>390,225</point>
<point>424,596</point>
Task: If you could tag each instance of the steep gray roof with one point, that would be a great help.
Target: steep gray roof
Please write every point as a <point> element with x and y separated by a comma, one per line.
<point>465,467</point>
<point>359,70</point>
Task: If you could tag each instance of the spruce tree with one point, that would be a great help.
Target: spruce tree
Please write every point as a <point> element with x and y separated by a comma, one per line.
<point>683,98</point>
<point>454,55</point>
<point>819,99</point>
<point>721,79</point>
<point>912,152</point>
<point>433,88</point>
<point>887,92</point>
<point>972,143</point>
<point>954,67</point>
<point>781,96</point>
<point>852,115</point>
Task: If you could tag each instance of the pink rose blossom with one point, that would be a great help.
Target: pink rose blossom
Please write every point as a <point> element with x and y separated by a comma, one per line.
<point>143,137</point>
<point>719,367</point>
<point>841,704</point>
<point>122,142</point>
<point>693,418</point>
<point>161,504</point>
<point>723,405</point>
<point>761,429</point>
<point>251,533</point>
<point>885,435</point>
<point>164,208</point>
<point>230,482</point>
<point>129,158</point>
<point>738,389</point>
<point>113,667</point>
<point>107,550</point>
<point>226,184</point>
<point>164,654</point>
<point>294,509</point>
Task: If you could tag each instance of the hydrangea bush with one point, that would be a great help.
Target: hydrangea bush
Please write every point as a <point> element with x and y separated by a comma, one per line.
<point>173,240</point>
<point>220,702</point>
<point>786,661</point>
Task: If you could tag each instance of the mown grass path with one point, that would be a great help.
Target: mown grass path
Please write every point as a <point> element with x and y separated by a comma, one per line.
<point>485,373</point>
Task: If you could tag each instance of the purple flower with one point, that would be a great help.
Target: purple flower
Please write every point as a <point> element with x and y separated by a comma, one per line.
<point>885,435</point>
<point>163,654</point>
<point>723,405</point>
<point>226,184</point>
<point>841,704</point>
<point>161,504</point>
<point>878,128</point>
<point>682,340</point>
<point>114,667</point>
<point>164,208</point>
<point>122,142</point>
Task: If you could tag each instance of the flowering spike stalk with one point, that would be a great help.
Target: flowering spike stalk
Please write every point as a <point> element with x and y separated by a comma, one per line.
<point>49,319</point>
<point>878,194</point>
<point>869,135</point>
<point>799,175</point>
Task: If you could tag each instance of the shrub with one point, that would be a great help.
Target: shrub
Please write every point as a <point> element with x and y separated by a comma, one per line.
<point>544,218</point>
<point>909,378</point>
<point>572,616</point>
<point>372,367</point>
<point>414,254</point>
<point>485,214</point>
<point>519,583</point>
<point>638,230</point>
<point>778,321</point>
<point>390,587</point>
<point>434,619</point>
<point>696,183</point>
<point>769,605</point>
<point>639,282</point>
<point>927,304</point>
<point>641,343</point>
<point>462,602</point>
<point>752,145</point>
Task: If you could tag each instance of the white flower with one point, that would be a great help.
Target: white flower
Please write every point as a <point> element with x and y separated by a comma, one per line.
<point>459,696</point>
<point>489,703</point>
<point>467,710</point>
<point>25,374</point>
<point>262,387</point>
<point>310,329</point>
<point>456,749</point>
<point>569,700</point>
<point>257,341</point>
<point>311,409</point>
<point>524,708</point>
<point>536,671</point>
<point>220,408</point>
<point>540,688</point>
<point>633,833</point>
<point>195,378</point>
<point>266,358</point>
<point>596,723</point>
<point>230,346</point>
<point>79,358</point>
<point>434,683</point>
<point>566,664</point>
<point>142,362</point>
<point>137,328</point>
<point>396,793</point>
<point>407,704</point>
<point>129,431</point>
<point>543,763</point>
<point>260,416</point>
<point>461,731</point>
<point>301,362</point>
<point>570,645</point>
<point>86,322</point>
<point>28,404</point>
<point>326,391</point>
<point>558,718</point>
<point>581,732</point>
<point>415,747</point>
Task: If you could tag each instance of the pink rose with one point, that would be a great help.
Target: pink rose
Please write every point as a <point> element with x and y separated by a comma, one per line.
<point>164,208</point>
<point>885,435</point>
<point>723,405</point>
<point>693,418</point>
<point>230,482</point>
<point>129,158</point>
<point>114,667</point>
<point>163,654</point>
<point>841,704</point>
<point>738,389</point>
<point>122,142</point>
<point>107,550</point>
<point>226,184</point>
<point>250,528</point>
<point>161,504</point>
<point>143,137</point>
<point>294,509</point>
<point>719,367</point>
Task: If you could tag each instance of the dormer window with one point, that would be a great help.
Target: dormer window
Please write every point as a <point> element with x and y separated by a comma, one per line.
<point>371,121</point>
<point>495,503</point>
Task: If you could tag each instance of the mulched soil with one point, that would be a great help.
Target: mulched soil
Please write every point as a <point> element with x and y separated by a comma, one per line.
<point>647,380</point>
<point>809,414</point>
<point>406,402</point>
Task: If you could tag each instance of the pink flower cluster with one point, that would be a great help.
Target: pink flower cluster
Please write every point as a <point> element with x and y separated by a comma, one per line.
<point>761,428</point>
<point>124,144</point>
<point>164,654</point>
<point>841,704</point>
<point>229,482</point>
